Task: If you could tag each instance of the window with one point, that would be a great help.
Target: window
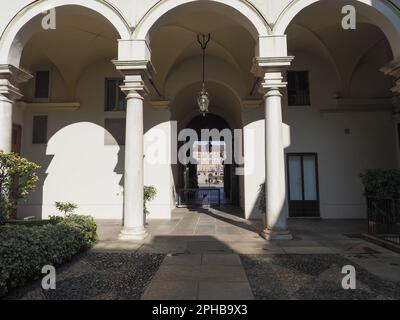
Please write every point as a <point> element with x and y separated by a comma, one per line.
<point>42,85</point>
<point>115,98</point>
<point>39,132</point>
<point>114,132</point>
<point>303,185</point>
<point>298,88</point>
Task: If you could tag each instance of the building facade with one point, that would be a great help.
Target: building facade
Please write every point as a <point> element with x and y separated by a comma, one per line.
<point>97,91</point>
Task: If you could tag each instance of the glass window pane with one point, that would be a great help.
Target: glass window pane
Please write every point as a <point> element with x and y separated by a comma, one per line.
<point>310,178</point>
<point>111,95</point>
<point>296,185</point>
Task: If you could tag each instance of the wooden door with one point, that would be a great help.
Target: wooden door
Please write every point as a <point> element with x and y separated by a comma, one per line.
<point>16,148</point>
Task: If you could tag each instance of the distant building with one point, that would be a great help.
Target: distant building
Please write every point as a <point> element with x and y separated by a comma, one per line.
<point>210,164</point>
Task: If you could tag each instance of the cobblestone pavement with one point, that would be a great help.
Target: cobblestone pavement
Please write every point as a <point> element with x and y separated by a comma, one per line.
<point>212,254</point>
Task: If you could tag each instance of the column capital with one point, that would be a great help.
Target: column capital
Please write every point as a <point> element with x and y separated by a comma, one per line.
<point>137,75</point>
<point>393,70</point>
<point>271,69</point>
<point>10,78</point>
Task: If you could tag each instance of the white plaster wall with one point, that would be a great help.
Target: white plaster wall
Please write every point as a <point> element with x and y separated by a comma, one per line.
<point>76,165</point>
<point>254,164</point>
<point>157,163</point>
<point>319,128</point>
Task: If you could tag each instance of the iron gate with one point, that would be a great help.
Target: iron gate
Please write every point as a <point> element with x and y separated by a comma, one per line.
<point>384,219</point>
<point>199,197</point>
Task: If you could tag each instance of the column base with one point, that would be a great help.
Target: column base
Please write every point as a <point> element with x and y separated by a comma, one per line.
<point>270,234</point>
<point>133,234</point>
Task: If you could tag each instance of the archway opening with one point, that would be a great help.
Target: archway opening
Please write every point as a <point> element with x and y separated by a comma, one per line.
<point>349,104</point>
<point>69,111</point>
<point>211,173</point>
<point>177,58</point>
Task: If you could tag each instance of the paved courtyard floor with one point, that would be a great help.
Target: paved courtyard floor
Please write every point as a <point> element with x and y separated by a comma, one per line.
<point>213,254</point>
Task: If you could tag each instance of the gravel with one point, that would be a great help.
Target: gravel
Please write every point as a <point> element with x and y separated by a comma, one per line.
<point>98,276</point>
<point>312,277</point>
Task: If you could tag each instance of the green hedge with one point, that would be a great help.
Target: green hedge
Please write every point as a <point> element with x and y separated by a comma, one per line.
<point>30,223</point>
<point>25,250</point>
<point>382,183</point>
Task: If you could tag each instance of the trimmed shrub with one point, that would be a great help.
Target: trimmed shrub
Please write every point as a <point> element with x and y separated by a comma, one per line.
<point>25,250</point>
<point>150,193</point>
<point>17,179</point>
<point>87,226</point>
<point>381,183</point>
<point>30,223</point>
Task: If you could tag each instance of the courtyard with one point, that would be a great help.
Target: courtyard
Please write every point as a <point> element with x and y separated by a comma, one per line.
<point>216,255</point>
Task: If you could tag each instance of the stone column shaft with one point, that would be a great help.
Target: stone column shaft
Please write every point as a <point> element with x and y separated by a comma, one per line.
<point>10,78</point>
<point>270,69</point>
<point>134,217</point>
<point>276,208</point>
<point>6,106</point>
<point>136,75</point>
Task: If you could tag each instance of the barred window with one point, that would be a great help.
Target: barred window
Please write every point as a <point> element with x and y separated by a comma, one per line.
<point>298,88</point>
<point>115,98</point>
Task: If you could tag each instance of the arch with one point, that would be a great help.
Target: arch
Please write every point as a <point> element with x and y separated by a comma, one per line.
<point>250,17</point>
<point>383,12</point>
<point>326,51</point>
<point>18,31</point>
<point>231,112</point>
<point>219,72</point>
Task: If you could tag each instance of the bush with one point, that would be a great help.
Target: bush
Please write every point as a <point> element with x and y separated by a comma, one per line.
<point>66,207</point>
<point>381,183</point>
<point>87,226</point>
<point>17,180</point>
<point>149,194</point>
<point>25,250</point>
<point>30,223</point>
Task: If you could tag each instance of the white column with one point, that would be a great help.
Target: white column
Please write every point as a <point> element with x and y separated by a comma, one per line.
<point>137,70</point>
<point>134,216</point>
<point>6,106</point>
<point>10,78</point>
<point>276,207</point>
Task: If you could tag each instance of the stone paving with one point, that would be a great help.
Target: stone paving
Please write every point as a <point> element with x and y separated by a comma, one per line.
<point>213,254</point>
<point>209,255</point>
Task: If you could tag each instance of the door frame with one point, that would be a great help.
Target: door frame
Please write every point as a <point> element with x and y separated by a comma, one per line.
<point>302,155</point>
<point>18,144</point>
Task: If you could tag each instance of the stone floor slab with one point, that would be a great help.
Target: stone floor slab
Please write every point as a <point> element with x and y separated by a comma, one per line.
<point>183,259</point>
<point>307,250</point>
<point>225,291</point>
<point>171,290</point>
<point>221,260</point>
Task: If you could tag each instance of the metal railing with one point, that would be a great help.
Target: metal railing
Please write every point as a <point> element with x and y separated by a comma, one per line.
<point>384,218</point>
<point>204,197</point>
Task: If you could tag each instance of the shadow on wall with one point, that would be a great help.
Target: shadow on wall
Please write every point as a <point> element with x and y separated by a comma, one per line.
<point>78,165</point>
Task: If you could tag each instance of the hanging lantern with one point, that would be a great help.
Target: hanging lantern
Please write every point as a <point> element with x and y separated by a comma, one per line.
<point>203,100</point>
